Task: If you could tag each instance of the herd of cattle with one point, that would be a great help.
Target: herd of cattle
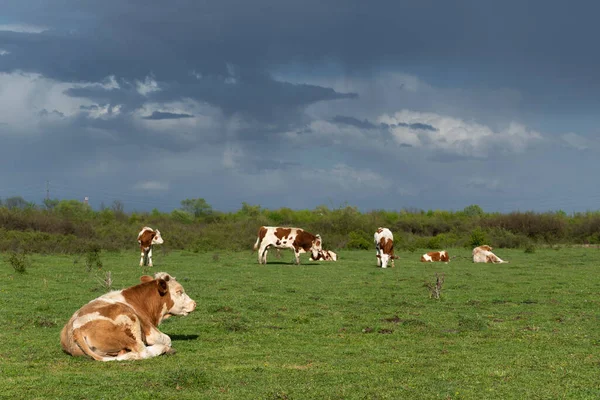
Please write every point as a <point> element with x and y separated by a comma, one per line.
<point>122,325</point>
<point>301,241</point>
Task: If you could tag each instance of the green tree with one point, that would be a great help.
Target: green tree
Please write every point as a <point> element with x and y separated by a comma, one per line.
<point>16,202</point>
<point>473,211</point>
<point>196,207</point>
<point>51,204</point>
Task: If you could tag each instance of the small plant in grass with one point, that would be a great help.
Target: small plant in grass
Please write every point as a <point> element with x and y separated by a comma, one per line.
<point>106,282</point>
<point>530,249</point>
<point>92,258</point>
<point>435,289</point>
<point>19,261</point>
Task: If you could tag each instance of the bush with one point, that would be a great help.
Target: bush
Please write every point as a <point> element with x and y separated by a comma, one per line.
<point>19,261</point>
<point>92,257</point>
<point>358,241</point>
<point>478,237</point>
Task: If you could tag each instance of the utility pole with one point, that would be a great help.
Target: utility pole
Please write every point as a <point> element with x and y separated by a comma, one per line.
<point>47,190</point>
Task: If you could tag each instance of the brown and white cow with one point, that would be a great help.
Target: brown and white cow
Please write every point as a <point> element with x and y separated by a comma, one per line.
<point>147,238</point>
<point>287,238</point>
<point>384,244</point>
<point>122,325</point>
<point>325,255</point>
<point>483,254</point>
<point>435,256</point>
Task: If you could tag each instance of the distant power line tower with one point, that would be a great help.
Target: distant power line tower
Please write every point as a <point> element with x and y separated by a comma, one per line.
<point>47,190</point>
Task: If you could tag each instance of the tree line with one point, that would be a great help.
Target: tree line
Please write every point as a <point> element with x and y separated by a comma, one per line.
<point>71,226</point>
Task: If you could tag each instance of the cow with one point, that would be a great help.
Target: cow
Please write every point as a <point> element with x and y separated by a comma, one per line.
<point>435,256</point>
<point>122,325</point>
<point>384,245</point>
<point>483,254</point>
<point>147,238</point>
<point>325,255</point>
<point>287,238</point>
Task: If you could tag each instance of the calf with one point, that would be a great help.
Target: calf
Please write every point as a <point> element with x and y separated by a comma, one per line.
<point>483,254</point>
<point>287,238</point>
<point>325,255</point>
<point>147,238</point>
<point>435,256</point>
<point>122,325</point>
<point>384,245</point>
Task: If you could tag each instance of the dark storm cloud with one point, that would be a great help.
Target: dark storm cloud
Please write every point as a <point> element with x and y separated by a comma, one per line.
<point>544,51</point>
<point>227,53</point>
<point>158,115</point>
<point>366,124</point>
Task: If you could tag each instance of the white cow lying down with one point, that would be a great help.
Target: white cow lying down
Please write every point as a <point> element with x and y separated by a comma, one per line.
<point>483,254</point>
<point>325,255</point>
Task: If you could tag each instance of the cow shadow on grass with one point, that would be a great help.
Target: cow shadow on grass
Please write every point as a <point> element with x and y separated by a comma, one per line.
<point>184,337</point>
<point>291,264</point>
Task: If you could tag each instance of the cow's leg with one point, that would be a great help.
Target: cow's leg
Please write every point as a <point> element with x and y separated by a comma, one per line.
<point>378,259</point>
<point>143,253</point>
<point>157,337</point>
<point>297,255</point>
<point>262,254</point>
<point>150,256</point>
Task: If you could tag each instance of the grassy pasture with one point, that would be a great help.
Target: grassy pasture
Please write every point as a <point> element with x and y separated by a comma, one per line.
<point>346,330</point>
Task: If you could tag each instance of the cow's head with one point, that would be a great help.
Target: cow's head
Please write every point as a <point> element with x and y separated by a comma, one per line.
<point>182,303</point>
<point>385,258</point>
<point>157,239</point>
<point>317,247</point>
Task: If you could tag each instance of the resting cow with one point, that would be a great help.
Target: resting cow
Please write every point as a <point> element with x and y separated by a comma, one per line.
<point>122,325</point>
<point>435,256</point>
<point>325,255</point>
<point>384,245</point>
<point>147,238</point>
<point>483,254</point>
<point>286,238</point>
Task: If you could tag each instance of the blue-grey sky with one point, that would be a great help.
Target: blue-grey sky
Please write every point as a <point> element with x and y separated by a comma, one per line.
<point>378,104</point>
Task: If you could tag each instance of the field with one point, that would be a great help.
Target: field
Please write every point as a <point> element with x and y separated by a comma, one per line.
<point>345,330</point>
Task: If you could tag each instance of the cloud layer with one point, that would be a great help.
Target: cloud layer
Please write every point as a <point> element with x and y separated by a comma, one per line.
<point>289,104</point>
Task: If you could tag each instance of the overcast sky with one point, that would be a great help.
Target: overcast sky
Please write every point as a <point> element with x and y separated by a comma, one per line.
<point>375,104</point>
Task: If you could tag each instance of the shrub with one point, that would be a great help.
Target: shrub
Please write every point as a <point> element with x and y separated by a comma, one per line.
<point>92,257</point>
<point>358,241</point>
<point>478,237</point>
<point>19,261</point>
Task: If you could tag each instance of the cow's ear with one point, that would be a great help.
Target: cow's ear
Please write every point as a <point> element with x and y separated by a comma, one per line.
<point>163,286</point>
<point>318,243</point>
<point>146,278</point>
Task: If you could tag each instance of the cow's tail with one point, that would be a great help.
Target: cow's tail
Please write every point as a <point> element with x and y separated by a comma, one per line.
<point>79,339</point>
<point>256,244</point>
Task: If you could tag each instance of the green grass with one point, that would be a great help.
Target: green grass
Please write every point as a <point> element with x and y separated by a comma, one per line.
<point>346,330</point>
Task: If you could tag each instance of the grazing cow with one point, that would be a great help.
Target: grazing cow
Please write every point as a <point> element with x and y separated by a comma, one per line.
<point>122,325</point>
<point>147,238</point>
<point>286,238</point>
<point>483,254</point>
<point>325,255</point>
<point>384,244</point>
<point>435,256</point>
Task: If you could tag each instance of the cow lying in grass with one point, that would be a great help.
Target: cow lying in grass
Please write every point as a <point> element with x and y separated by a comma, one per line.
<point>122,325</point>
<point>483,254</point>
<point>325,255</point>
<point>435,256</point>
